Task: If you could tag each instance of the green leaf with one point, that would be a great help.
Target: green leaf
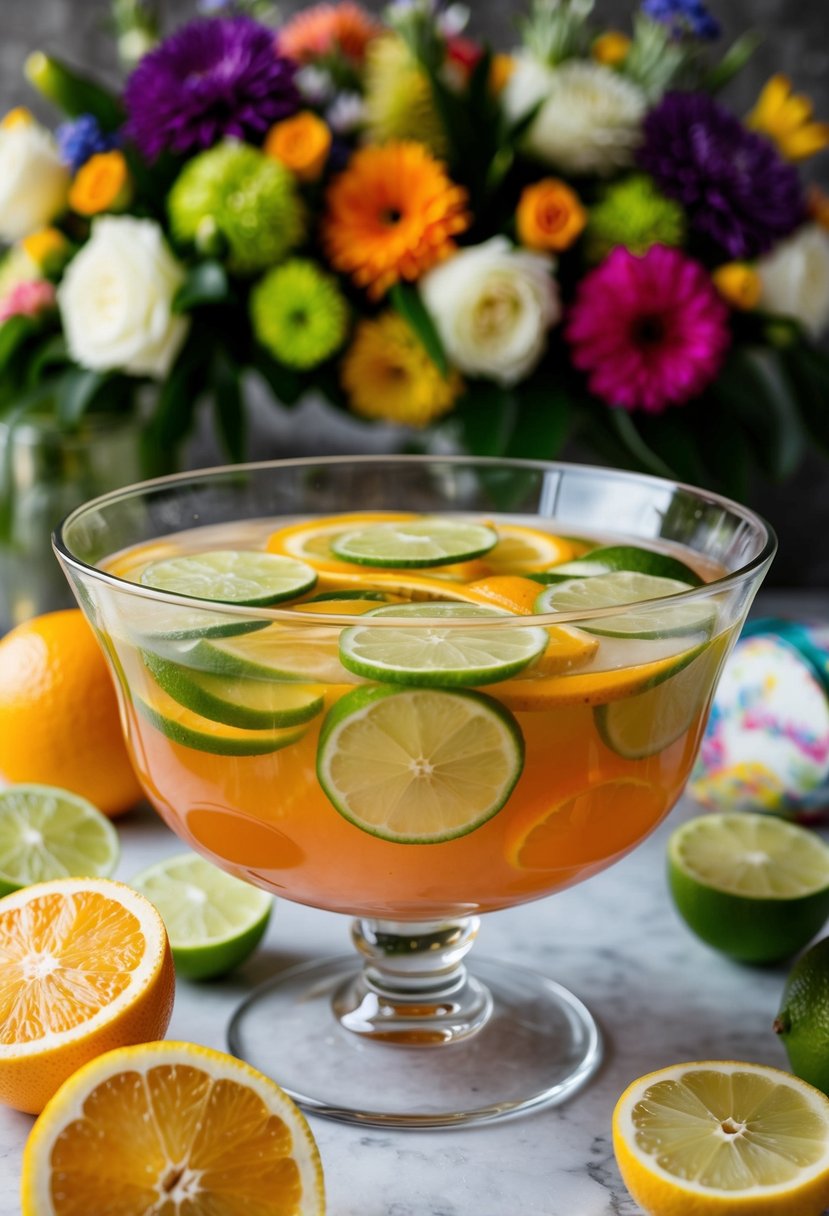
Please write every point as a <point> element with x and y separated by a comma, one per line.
<point>229,406</point>
<point>173,417</point>
<point>77,390</point>
<point>544,419</point>
<point>50,354</point>
<point>756,391</point>
<point>72,91</point>
<point>406,299</point>
<point>206,283</point>
<point>625,429</point>
<point>484,419</point>
<point>808,370</point>
<point>13,333</point>
<point>732,62</point>
<point>286,385</point>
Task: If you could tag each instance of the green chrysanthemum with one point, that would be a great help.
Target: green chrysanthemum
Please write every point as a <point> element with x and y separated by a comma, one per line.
<point>633,213</point>
<point>398,97</point>
<point>236,193</point>
<point>299,314</point>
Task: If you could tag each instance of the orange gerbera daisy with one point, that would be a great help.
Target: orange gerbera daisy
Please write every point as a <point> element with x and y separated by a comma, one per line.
<point>327,29</point>
<point>392,215</point>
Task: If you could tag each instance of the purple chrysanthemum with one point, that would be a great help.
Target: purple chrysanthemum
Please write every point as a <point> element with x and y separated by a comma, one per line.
<point>82,138</point>
<point>211,79</point>
<point>733,184</point>
<point>683,18</point>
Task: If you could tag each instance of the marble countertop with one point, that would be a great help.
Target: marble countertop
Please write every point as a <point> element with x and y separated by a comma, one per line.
<point>660,996</point>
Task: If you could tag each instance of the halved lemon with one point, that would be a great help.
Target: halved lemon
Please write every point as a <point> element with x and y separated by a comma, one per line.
<point>171,1128</point>
<point>86,966</point>
<point>720,1138</point>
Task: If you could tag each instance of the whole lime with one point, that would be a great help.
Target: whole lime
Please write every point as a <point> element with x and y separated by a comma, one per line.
<point>803,1020</point>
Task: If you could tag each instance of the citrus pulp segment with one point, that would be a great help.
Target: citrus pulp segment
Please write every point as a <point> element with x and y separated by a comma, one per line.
<point>237,701</point>
<point>189,729</point>
<point>418,765</point>
<point>617,589</point>
<point>431,655</point>
<point>421,542</point>
<point>230,576</point>
<point>168,1128</point>
<point>752,886</point>
<point>86,967</point>
<point>46,832</point>
<point>645,724</point>
<point>213,920</point>
<point>721,1138</point>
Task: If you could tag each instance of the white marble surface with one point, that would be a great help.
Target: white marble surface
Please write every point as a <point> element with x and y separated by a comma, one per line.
<point>659,995</point>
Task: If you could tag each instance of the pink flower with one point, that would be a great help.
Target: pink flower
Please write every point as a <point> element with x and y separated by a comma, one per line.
<point>27,299</point>
<point>650,331</point>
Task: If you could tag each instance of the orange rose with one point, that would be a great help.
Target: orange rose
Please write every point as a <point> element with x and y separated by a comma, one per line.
<point>301,144</point>
<point>550,216</point>
<point>102,184</point>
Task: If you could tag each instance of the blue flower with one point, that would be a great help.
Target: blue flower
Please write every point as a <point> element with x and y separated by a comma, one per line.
<point>82,138</point>
<point>684,18</point>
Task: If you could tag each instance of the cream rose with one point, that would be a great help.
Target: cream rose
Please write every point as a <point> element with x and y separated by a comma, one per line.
<point>493,305</point>
<point>795,279</point>
<point>34,182</point>
<point>116,299</point>
<point>589,118</point>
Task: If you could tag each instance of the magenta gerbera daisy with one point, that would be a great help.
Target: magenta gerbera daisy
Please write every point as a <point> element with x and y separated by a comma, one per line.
<point>650,331</point>
<point>212,79</point>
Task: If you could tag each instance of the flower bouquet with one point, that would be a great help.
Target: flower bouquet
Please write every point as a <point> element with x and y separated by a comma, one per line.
<point>495,251</point>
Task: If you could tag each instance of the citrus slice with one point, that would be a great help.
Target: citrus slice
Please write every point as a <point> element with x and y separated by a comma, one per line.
<point>521,549</point>
<point>227,576</point>
<point>429,655</point>
<point>719,1138</point>
<point>624,587</point>
<point>305,653</point>
<point>419,765</point>
<point>648,722</point>
<point>47,832</point>
<point>189,729</point>
<point>151,622</point>
<point>234,701</point>
<point>611,558</point>
<point>171,1128</point>
<point>310,540</point>
<point>86,967</point>
<point>214,921</point>
<point>752,886</point>
<point>513,592</point>
<point>616,812</point>
<point>426,541</point>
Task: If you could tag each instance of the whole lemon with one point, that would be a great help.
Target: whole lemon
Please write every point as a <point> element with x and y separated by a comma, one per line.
<point>59,721</point>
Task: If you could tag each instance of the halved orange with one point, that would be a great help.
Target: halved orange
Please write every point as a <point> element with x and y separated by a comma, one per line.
<point>86,967</point>
<point>522,550</point>
<point>171,1128</point>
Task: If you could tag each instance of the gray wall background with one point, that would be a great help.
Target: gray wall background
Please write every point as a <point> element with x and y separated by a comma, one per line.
<point>796,41</point>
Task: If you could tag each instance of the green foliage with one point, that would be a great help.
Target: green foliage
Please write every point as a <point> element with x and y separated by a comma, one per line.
<point>73,92</point>
<point>406,299</point>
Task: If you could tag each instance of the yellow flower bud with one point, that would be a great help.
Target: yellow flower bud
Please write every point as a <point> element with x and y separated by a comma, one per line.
<point>48,249</point>
<point>739,285</point>
<point>18,117</point>
<point>785,117</point>
<point>102,184</point>
<point>611,48</point>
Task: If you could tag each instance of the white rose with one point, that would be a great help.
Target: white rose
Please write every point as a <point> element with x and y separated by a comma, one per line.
<point>590,118</point>
<point>795,279</point>
<point>34,182</point>
<point>116,299</point>
<point>493,306</point>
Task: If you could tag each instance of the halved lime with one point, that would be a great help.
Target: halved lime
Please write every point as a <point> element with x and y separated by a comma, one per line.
<point>214,921</point>
<point>189,729</point>
<point>303,652</point>
<point>418,765</point>
<point>255,704</point>
<point>752,886</point>
<point>650,721</point>
<point>415,543</point>
<point>228,576</point>
<point>611,558</point>
<point>627,587</point>
<point>46,833</point>
<point>428,655</point>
